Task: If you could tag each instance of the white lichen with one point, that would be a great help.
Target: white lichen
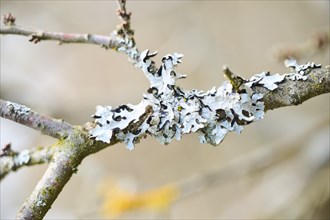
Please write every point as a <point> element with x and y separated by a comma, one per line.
<point>266,80</point>
<point>300,71</point>
<point>23,158</point>
<point>18,109</point>
<point>212,114</point>
<point>40,202</point>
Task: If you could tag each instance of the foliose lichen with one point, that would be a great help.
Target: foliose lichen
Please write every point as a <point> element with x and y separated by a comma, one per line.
<point>300,71</point>
<point>23,157</point>
<point>212,114</point>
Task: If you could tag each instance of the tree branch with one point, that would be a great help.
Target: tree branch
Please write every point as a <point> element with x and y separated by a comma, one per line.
<point>213,113</point>
<point>39,35</point>
<point>63,164</point>
<point>66,156</point>
<point>125,28</point>
<point>291,93</point>
<point>121,40</point>
<point>12,160</point>
<point>21,114</point>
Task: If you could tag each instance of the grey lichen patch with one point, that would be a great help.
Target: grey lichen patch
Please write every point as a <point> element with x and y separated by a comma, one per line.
<point>300,71</point>
<point>41,203</point>
<point>23,158</point>
<point>18,109</point>
<point>175,112</point>
<point>125,45</point>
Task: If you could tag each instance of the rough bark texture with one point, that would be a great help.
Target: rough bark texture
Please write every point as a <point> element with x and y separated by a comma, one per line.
<point>296,92</point>
<point>65,161</point>
<point>25,116</point>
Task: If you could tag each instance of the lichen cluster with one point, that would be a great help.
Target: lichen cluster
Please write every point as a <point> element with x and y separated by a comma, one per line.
<point>212,114</point>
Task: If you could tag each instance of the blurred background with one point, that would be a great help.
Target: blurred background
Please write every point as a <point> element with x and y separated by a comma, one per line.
<point>278,168</point>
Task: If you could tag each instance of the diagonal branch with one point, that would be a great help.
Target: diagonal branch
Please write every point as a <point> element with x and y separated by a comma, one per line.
<point>21,114</point>
<point>291,92</point>
<point>62,166</point>
<point>65,161</point>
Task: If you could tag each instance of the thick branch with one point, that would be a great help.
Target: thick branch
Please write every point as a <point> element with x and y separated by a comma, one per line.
<point>64,163</point>
<point>23,115</point>
<point>67,156</point>
<point>291,93</point>
<point>211,113</point>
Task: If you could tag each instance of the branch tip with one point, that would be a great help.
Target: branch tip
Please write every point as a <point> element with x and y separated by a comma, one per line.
<point>234,79</point>
<point>124,29</point>
<point>8,19</point>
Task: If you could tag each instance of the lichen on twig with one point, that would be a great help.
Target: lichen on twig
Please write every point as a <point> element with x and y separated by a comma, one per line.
<point>21,114</point>
<point>11,160</point>
<point>212,114</point>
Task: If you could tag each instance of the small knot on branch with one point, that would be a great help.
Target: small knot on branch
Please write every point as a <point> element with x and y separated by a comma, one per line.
<point>124,15</point>
<point>35,38</point>
<point>235,80</point>
<point>8,19</point>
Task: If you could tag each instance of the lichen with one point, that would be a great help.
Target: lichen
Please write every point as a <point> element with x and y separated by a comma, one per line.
<point>212,114</point>
<point>23,158</point>
<point>18,109</point>
<point>41,203</point>
<point>266,80</point>
<point>300,71</point>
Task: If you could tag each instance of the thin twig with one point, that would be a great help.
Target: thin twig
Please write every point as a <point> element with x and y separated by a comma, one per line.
<point>125,27</point>
<point>23,115</point>
<point>36,36</point>
<point>12,160</point>
<point>234,79</point>
<point>121,40</point>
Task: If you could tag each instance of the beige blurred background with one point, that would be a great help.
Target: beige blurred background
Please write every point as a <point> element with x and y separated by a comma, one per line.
<point>68,81</point>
